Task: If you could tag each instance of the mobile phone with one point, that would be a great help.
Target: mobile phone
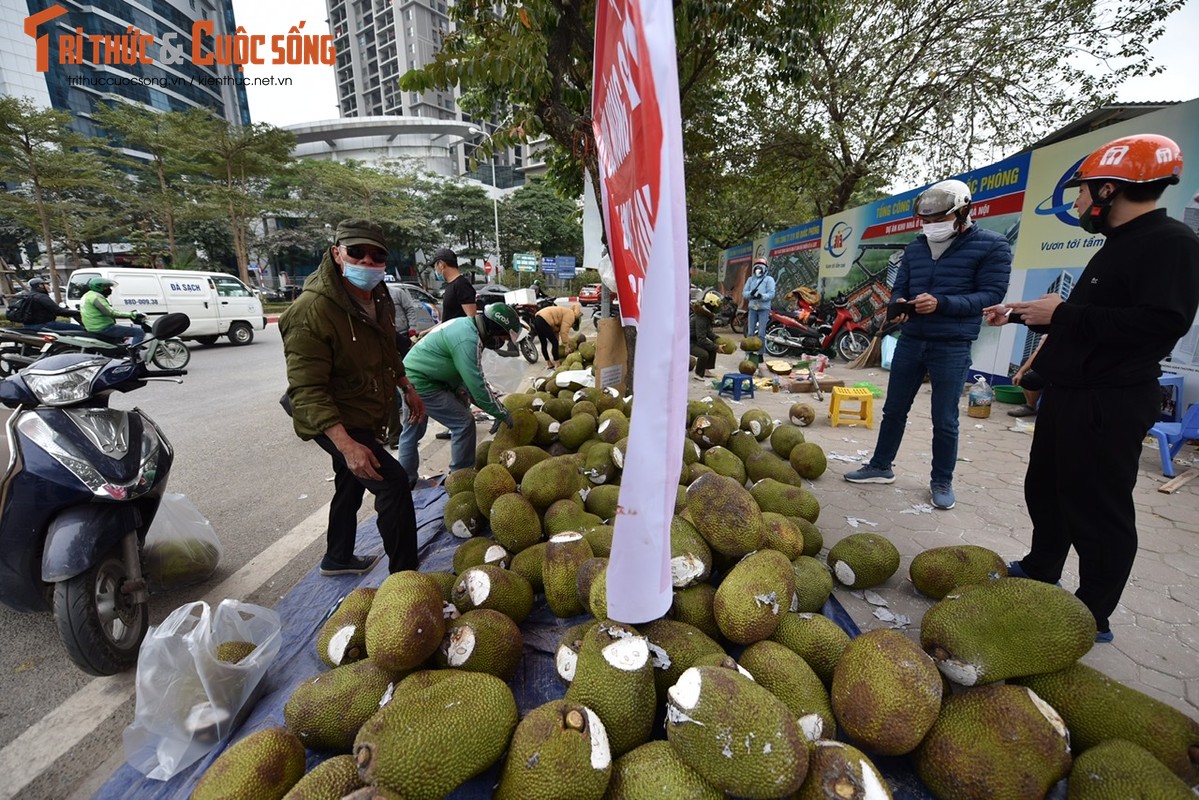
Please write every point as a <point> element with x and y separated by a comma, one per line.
<point>895,309</point>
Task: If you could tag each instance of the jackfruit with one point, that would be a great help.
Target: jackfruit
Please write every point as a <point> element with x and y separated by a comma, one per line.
<point>462,516</point>
<point>723,462</point>
<point>786,499</point>
<point>813,539</point>
<point>405,623</point>
<point>784,438</point>
<point>585,407</point>
<point>781,534</point>
<point>482,640</point>
<point>554,479</point>
<point>838,771</point>
<point>813,583</point>
<point>654,771</point>
<point>863,560</point>
<point>547,432</point>
<point>737,735</point>
<point>587,351</point>
<point>326,711</point>
<point>747,367</point>
<point>765,464</point>
<point>752,344</point>
<point>753,597</point>
<point>742,444</point>
<point>528,563</point>
<point>1096,707</point>
<point>808,460</point>
<point>559,409</point>
<point>233,652</point>
<point>673,647</point>
<point>615,678</point>
<point>1006,628</point>
<point>758,423</point>
<point>445,581</point>
<point>576,430</point>
<point>597,597</point>
<point>266,764</point>
<point>600,539</point>
<point>725,345</point>
<point>437,738</point>
<point>479,550</point>
<point>589,571</point>
<point>460,480</point>
<point>801,414</point>
<point>815,638</point>
<point>789,678</point>
<point>937,572</point>
<point>334,777</point>
<point>613,426</point>
<point>516,433</point>
<point>488,586</point>
<point>482,453</point>
<point>994,743</point>
<point>515,524</point>
<point>492,482</point>
<point>564,554</point>
<point>693,605</point>
<point>342,636</point>
<point>709,430</point>
<point>691,451</point>
<point>519,460</point>
<point>174,563</point>
<point>598,466</point>
<point>696,470</point>
<point>1120,770</point>
<point>567,515</point>
<point>690,555</point>
<point>621,449</point>
<point>516,401</point>
<point>566,655</point>
<point>602,500</point>
<point>725,514</point>
<point>559,752</point>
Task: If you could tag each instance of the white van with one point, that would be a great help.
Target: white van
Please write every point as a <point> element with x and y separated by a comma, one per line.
<point>217,303</point>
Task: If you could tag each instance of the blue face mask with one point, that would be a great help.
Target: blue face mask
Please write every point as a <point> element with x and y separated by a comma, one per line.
<point>440,278</point>
<point>365,278</point>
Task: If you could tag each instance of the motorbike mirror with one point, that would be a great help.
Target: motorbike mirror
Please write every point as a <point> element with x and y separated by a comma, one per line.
<point>169,325</point>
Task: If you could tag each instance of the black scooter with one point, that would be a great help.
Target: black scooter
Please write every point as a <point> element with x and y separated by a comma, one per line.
<point>20,347</point>
<point>82,485</point>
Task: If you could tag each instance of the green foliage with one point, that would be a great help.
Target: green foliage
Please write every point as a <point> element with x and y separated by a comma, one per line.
<point>536,219</point>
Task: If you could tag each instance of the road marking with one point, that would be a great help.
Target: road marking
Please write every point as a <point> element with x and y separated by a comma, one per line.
<point>42,744</point>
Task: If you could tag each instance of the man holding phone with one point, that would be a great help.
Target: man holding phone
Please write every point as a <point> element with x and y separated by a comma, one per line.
<point>951,272</point>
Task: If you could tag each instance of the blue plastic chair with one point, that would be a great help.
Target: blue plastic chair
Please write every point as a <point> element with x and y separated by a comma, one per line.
<point>1172,435</point>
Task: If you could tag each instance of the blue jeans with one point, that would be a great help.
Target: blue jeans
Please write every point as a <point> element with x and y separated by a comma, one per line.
<point>755,325</point>
<point>444,407</point>
<point>947,363</point>
<point>118,332</point>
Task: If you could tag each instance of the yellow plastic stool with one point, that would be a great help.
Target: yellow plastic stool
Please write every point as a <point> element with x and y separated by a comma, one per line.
<point>864,412</point>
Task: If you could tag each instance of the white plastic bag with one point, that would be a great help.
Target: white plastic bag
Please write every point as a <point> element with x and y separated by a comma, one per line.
<point>181,548</point>
<point>187,700</point>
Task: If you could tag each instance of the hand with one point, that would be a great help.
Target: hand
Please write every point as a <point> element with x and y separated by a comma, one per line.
<point>1017,377</point>
<point>996,315</point>
<point>416,406</point>
<point>1039,311</point>
<point>898,319</point>
<point>361,460</point>
<point>925,303</point>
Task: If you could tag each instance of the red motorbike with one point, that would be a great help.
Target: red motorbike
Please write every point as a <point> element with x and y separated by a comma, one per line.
<point>841,334</point>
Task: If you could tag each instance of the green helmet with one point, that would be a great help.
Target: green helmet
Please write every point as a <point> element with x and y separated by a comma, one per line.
<point>100,284</point>
<point>504,316</point>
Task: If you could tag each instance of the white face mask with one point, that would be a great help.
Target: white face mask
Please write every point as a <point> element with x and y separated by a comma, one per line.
<point>939,231</point>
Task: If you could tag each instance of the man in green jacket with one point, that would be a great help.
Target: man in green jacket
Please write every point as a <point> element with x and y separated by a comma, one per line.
<point>99,317</point>
<point>342,372</point>
<point>446,367</point>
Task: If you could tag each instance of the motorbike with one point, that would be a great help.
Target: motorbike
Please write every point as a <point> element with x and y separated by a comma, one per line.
<point>527,346</point>
<point>20,347</point>
<point>81,487</point>
<point>731,315</point>
<point>842,334</point>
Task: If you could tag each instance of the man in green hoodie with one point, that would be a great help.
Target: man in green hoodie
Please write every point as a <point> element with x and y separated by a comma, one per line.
<point>342,372</point>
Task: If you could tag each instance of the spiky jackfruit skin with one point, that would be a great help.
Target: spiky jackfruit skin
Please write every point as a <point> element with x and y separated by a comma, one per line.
<point>332,778</point>
<point>567,515</point>
<point>492,482</point>
<point>813,584</point>
<point>547,481</point>
<point>754,596</point>
<point>576,430</point>
<point>613,426</point>
<point>482,640</point>
<point>502,590</point>
<point>326,711</point>
<point>790,679</point>
<point>940,570</point>
<point>405,623</point>
<point>784,438</point>
<point>815,638</point>
<point>751,344</point>
<point>1118,770</point>
<point>723,462</point>
<point>786,499</point>
<point>266,764</point>
<point>808,460</point>
<point>566,656</point>
<point>462,516</point>
<point>747,367</point>
<point>515,524</point>
<point>725,345</point>
<point>813,539</point>
<point>725,514</point>
<point>547,434</point>
<point>600,539</point>
<point>838,771</point>
<point>654,771</point>
<point>757,422</point>
<point>1006,628</point>
<point>886,692</point>
<point>742,444</point>
<point>460,480</point>
<point>597,597</point>
<point>516,401</point>
<point>966,755</point>
<point>446,581</point>
<point>598,466</point>
<point>234,651</point>
<point>863,560</point>
<point>174,563</point>
<point>482,453</point>
<point>528,564</point>
<point>558,408</point>
<point>782,534</point>
<point>589,571</point>
<point>516,433</point>
<point>559,752</point>
<point>710,430</point>
<point>614,677</point>
<point>674,646</point>
<point>478,550</point>
<point>737,735</point>
<point>693,605</point>
<point>1096,707</point>
<point>690,555</point>
<point>602,500</point>
<point>519,460</point>
<point>437,738</point>
<point>564,554</point>
<point>764,464</point>
<point>801,414</point>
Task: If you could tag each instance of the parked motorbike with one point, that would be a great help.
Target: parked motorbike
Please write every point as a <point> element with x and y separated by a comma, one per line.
<point>842,334</point>
<point>20,347</point>
<point>527,346</point>
<point>730,314</point>
<point>82,485</point>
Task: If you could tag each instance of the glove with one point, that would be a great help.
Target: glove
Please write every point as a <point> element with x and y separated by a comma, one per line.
<point>505,420</point>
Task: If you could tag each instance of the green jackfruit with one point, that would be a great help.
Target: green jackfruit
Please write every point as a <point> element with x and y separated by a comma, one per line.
<point>597,596</point>
<point>673,647</point>
<point>690,555</point>
<point>757,422</point>
<point>747,367</point>
<point>808,460</point>
<point>554,479</point>
<point>782,534</point>
<point>1006,628</point>
<point>614,677</point>
<point>725,514</point>
<point>174,563</point>
<point>1096,707</point>
<point>482,640</point>
<point>765,464</point>
<point>517,401</point>
<point>445,580</point>
<point>460,480</point>
<point>559,752</point>
<point>886,692</point>
<point>754,596</point>
<point>326,711</point>
<point>567,515</point>
<point>813,583</point>
<point>600,539</point>
<point>724,462</point>
<point>488,586</point>
<point>266,764</point>
<point>710,430</point>
<point>547,431</point>
<point>1117,770</point>
<point>968,756</point>
<point>863,560</point>
<point>334,777</point>
<point>613,426</point>
<point>697,470</point>
<point>585,407</point>
<point>405,623</point>
<point>737,735</point>
<point>587,351</point>
<point>786,499</point>
<point>479,550</point>
<point>462,516</point>
<point>566,655</point>
<point>725,345</point>
<point>589,571</point>
<point>520,460</point>
<point>838,771</point>
<point>342,637</point>
<point>654,771</point>
<point>693,605</point>
<point>602,501</point>
<point>813,539</point>
<point>564,554</point>
<point>492,482</point>
<point>233,652</point>
<point>558,408</point>
<point>598,466</point>
<point>815,638</point>
<point>691,452</point>
<point>519,432</point>
<point>437,738</point>
<point>937,572</point>
<point>784,438</point>
<point>515,524</point>
<point>742,444</point>
<point>577,430</point>
<point>752,344</point>
<point>790,679</point>
<point>528,563</point>
<point>482,453</point>
<point>801,414</point>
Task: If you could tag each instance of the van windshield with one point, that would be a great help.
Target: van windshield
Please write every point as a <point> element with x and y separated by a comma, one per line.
<point>231,287</point>
<point>77,287</point>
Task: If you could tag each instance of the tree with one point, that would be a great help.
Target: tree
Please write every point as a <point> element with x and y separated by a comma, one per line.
<point>464,214</point>
<point>536,218</point>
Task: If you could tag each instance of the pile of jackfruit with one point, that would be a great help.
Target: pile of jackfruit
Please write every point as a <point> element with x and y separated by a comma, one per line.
<point>758,695</point>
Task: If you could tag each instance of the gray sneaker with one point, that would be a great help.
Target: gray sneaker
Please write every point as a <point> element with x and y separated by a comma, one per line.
<point>869,474</point>
<point>943,496</point>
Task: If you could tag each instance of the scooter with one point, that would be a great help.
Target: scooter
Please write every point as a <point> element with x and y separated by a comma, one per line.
<point>20,347</point>
<point>82,485</point>
<point>729,314</point>
<point>843,335</point>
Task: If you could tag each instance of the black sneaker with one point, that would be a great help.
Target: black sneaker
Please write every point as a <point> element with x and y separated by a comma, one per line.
<point>357,566</point>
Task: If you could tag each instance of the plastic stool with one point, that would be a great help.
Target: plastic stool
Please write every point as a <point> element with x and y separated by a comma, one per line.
<point>1175,385</point>
<point>864,412</point>
<point>735,383</point>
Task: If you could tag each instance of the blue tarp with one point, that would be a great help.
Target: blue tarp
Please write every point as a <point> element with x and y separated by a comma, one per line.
<point>305,608</point>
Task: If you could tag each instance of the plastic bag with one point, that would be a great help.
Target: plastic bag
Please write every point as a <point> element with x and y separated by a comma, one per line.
<point>181,548</point>
<point>979,398</point>
<point>187,700</point>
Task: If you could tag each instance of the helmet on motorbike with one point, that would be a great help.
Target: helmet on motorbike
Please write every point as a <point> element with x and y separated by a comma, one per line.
<point>943,198</point>
<point>711,301</point>
<point>100,284</point>
<point>1142,158</point>
<point>500,319</point>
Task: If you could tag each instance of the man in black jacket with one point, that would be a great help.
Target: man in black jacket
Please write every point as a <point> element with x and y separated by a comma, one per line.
<point>43,312</point>
<point>703,341</point>
<point>1137,296</point>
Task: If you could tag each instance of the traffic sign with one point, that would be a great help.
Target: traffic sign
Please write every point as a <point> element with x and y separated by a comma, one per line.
<point>524,262</point>
<point>549,265</point>
<point>566,267</point>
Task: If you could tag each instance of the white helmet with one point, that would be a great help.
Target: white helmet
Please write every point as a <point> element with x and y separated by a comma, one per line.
<point>942,198</point>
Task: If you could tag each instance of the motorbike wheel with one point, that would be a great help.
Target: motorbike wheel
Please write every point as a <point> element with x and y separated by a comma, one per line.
<point>852,344</point>
<point>528,349</point>
<point>101,627</point>
<point>775,348</point>
<point>171,354</point>
<point>737,323</point>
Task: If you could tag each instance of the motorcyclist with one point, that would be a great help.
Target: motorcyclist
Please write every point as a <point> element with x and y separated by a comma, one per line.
<point>703,341</point>
<point>759,291</point>
<point>43,312</point>
<point>99,317</point>
<point>539,290</point>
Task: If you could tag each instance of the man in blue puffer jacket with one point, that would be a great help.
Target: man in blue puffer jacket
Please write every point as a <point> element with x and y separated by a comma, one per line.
<point>951,272</point>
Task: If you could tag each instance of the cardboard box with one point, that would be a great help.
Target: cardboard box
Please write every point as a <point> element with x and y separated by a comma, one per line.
<point>521,297</point>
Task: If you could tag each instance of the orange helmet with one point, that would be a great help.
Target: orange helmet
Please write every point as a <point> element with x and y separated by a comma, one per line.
<point>1143,158</point>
